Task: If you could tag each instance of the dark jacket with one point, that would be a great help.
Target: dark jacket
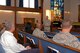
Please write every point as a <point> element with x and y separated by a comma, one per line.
<point>28,27</point>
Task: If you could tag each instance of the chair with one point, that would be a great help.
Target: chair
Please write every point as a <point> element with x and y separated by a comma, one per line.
<point>52,50</point>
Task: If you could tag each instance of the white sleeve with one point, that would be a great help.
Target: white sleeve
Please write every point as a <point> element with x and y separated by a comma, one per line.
<point>11,42</point>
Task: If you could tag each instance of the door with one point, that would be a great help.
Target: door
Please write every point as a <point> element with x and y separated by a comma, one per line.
<point>32,20</point>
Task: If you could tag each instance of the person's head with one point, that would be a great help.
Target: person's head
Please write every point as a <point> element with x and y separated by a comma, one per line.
<point>9,27</point>
<point>66,24</point>
<point>47,17</point>
<point>39,26</point>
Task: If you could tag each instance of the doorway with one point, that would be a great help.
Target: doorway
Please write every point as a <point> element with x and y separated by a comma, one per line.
<point>32,20</point>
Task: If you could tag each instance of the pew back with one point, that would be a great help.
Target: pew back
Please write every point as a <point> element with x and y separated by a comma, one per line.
<point>48,42</point>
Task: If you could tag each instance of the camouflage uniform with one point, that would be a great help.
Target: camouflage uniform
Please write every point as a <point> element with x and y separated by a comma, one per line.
<point>38,32</point>
<point>47,24</point>
<point>67,39</point>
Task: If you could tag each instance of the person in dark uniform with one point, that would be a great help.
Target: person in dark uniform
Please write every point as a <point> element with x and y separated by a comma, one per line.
<point>28,27</point>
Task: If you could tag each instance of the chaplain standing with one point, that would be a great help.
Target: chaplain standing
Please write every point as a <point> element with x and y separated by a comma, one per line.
<point>47,24</point>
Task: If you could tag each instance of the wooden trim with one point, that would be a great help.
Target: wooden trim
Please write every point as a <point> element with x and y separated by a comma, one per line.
<point>78,13</point>
<point>13,8</point>
<point>7,8</point>
<point>41,11</point>
<point>15,13</point>
<point>15,16</point>
<point>78,36</point>
<point>27,9</point>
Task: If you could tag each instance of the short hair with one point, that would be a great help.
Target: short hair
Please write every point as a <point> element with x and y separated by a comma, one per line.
<point>8,25</point>
<point>67,23</point>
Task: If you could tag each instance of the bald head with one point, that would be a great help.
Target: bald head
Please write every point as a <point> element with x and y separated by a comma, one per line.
<point>39,26</point>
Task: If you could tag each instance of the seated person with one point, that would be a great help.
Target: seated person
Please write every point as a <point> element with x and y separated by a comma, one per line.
<point>9,42</point>
<point>28,27</point>
<point>65,37</point>
<point>1,31</point>
<point>38,32</point>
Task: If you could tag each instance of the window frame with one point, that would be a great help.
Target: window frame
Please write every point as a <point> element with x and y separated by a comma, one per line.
<point>3,3</point>
<point>29,4</point>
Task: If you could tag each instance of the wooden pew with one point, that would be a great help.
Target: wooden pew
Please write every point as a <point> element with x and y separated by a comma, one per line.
<point>45,42</point>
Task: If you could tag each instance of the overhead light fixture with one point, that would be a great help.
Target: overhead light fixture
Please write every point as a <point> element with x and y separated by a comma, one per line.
<point>28,12</point>
<point>5,11</point>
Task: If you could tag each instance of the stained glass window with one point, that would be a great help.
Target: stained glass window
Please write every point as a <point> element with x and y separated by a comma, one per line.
<point>58,7</point>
